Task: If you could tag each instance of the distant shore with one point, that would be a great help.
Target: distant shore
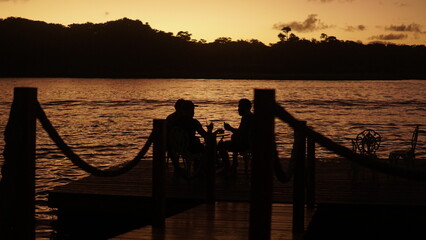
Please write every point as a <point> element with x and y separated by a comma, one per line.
<point>131,49</point>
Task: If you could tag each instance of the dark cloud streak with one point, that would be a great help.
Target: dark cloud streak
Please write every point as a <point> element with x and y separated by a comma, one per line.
<point>355,28</point>
<point>401,4</point>
<point>414,27</point>
<point>391,36</point>
<point>312,23</point>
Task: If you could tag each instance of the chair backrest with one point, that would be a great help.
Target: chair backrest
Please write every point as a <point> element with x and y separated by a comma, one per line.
<point>178,141</point>
<point>367,142</point>
<point>414,138</point>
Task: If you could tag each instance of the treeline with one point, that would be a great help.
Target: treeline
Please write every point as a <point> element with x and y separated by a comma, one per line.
<point>131,49</point>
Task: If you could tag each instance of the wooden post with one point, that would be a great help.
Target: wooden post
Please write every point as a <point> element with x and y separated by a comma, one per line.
<point>262,165</point>
<point>299,180</point>
<point>310,178</point>
<point>210,168</point>
<point>159,173</point>
<point>18,182</point>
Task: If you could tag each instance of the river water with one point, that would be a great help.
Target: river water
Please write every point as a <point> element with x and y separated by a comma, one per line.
<point>107,121</point>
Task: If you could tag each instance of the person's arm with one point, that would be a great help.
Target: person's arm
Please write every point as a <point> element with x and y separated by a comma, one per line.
<point>199,128</point>
<point>203,133</point>
<point>229,127</point>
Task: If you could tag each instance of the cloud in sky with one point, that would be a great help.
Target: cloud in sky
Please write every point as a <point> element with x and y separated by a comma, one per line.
<point>401,4</point>
<point>414,27</point>
<point>312,23</point>
<point>391,36</point>
<point>355,28</point>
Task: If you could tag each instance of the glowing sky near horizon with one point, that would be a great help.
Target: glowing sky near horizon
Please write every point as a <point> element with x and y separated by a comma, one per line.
<point>396,21</point>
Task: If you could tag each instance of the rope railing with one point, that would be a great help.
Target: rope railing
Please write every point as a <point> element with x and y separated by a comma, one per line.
<point>280,174</point>
<point>75,159</point>
<point>17,185</point>
<point>347,153</point>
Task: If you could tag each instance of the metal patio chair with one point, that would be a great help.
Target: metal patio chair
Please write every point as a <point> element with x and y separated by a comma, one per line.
<point>365,143</point>
<point>408,155</point>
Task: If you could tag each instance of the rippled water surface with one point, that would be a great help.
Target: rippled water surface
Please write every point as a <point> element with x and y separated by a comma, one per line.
<point>106,121</point>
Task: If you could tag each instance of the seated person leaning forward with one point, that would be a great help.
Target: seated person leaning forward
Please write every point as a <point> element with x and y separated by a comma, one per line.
<point>182,139</point>
<point>241,138</point>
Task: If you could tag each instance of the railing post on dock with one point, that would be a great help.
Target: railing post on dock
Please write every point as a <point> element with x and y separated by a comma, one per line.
<point>310,174</point>
<point>159,173</point>
<point>299,179</point>
<point>17,187</point>
<point>210,168</point>
<point>262,165</point>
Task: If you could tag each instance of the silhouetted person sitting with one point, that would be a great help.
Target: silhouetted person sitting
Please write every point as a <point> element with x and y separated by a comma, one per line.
<point>173,117</point>
<point>183,141</point>
<point>171,121</point>
<point>191,126</point>
<point>241,138</point>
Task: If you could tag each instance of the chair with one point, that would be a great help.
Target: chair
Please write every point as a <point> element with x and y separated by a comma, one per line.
<point>247,157</point>
<point>407,155</point>
<point>366,143</point>
<point>184,162</point>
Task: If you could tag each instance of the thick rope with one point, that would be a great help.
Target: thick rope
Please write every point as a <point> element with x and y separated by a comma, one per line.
<point>75,159</point>
<point>280,174</point>
<point>366,161</point>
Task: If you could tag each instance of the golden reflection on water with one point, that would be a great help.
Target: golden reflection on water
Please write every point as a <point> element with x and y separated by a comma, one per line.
<point>110,118</point>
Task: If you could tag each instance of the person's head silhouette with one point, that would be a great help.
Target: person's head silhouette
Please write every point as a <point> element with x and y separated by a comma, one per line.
<point>244,106</point>
<point>188,108</point>
<point>178,105</point>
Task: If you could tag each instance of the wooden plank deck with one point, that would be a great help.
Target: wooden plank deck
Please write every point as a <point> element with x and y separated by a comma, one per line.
<point>333,185</point>
<point>123,203</point>
<point>222,220</point>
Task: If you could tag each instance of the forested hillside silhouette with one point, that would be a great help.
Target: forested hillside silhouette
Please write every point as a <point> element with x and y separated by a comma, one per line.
<point>132,49</point>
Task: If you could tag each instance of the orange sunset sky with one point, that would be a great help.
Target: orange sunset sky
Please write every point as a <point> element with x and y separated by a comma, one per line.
<point>395,21</point>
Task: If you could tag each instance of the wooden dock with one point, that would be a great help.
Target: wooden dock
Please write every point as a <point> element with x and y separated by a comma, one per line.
<point>106,207</point>
<point>222,220</point>
<point>123,203</point>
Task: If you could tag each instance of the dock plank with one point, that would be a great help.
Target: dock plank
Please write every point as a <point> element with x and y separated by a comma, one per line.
<point>222,220</point>
<point>128,197</point>
<point>333,185</point>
